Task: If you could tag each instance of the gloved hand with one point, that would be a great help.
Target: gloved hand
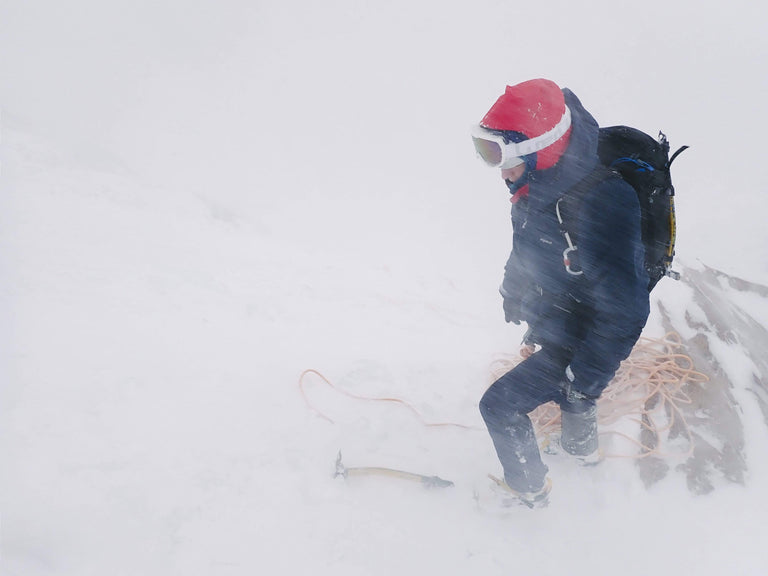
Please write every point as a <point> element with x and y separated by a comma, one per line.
<point>513,290</point>
<point>512,310</point>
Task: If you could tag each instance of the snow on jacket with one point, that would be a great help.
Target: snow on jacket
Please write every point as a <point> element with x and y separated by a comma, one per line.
<point>599,315</point>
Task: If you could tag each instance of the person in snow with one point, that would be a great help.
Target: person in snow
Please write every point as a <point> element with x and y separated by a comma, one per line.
<point>582,319</point>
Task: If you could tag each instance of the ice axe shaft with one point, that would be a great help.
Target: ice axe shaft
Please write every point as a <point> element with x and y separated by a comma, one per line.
<point>426,481</point>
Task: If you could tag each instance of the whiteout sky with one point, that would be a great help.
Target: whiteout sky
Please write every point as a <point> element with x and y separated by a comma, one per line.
<point>225,97</point>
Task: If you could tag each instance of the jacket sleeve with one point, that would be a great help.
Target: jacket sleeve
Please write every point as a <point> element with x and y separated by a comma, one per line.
<point>612,258</point>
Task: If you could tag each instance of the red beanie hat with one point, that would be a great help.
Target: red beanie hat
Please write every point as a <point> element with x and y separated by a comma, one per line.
<point>533,108</point>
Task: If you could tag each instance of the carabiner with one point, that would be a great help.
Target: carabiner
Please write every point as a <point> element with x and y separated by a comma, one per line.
<point>568,261</point>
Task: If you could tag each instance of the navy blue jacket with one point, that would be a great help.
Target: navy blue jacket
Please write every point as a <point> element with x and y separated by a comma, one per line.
<point>598,315</point>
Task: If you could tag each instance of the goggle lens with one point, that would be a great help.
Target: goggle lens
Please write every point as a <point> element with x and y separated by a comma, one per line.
<point>488,150</point>
<point>493,154</point>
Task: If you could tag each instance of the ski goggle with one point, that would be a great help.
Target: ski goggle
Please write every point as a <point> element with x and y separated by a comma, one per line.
<point>499,152</point>
<point>494,149</point>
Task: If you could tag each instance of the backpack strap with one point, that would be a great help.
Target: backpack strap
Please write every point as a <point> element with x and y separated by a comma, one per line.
<point>568,205</point>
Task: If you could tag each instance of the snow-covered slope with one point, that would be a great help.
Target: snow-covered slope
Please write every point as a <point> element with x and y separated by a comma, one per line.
<point>189,222</point>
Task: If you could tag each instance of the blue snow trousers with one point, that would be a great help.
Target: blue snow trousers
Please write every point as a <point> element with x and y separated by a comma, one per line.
<point>505,406</point>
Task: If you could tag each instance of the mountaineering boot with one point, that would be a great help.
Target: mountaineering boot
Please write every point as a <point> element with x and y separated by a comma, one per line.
<point>579,433</point>
<point>535,499</point>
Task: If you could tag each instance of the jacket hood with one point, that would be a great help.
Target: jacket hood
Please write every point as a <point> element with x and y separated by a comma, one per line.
<point>578,160</point>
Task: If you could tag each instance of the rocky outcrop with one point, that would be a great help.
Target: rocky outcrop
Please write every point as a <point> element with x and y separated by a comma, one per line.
<point>714,416</point>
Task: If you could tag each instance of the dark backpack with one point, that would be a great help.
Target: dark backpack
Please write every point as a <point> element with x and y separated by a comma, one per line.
<point>644,163</point>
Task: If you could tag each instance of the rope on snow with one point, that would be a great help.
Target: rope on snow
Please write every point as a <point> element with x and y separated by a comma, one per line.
<point>648,389</point>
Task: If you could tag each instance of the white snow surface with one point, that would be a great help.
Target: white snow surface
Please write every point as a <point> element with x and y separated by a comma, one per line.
<point>201,200</point>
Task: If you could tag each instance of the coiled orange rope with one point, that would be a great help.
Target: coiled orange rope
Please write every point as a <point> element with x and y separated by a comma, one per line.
<point>648,389</point>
